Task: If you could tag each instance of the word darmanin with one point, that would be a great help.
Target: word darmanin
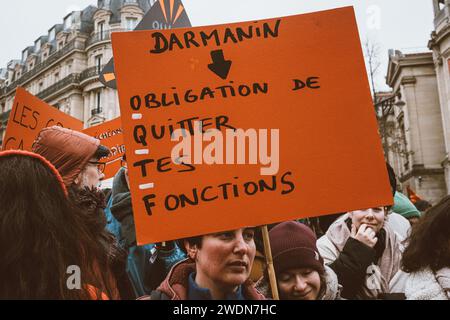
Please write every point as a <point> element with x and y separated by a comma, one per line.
<point>215,38</point>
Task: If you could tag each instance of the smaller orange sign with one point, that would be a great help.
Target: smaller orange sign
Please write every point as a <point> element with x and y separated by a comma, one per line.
<point>110,135</point>
<point>29,116</point>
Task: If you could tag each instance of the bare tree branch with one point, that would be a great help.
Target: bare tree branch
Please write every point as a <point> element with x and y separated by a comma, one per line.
<point>372,55</point>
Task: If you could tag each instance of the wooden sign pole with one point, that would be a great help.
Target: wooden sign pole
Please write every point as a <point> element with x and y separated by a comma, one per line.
<point>269,261</point>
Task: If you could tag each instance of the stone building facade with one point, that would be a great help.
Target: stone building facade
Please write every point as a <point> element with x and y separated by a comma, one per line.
<point>415,117</point>
<point>440,45</point>
<point>62,67</point>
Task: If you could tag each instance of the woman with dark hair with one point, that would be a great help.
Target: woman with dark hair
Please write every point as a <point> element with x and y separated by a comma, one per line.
<point>427,256</point>
<point>44,239</point>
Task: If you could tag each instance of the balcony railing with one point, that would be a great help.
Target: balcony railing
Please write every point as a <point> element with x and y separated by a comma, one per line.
<point>96,111</point>
<point>69,80</point>
<point>72,45</point>
<point>91,73</point>
<point>99,37</point>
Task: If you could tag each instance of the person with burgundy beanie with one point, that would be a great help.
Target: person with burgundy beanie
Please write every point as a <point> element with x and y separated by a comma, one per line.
<point>299,268</point>
<point>76,156</point>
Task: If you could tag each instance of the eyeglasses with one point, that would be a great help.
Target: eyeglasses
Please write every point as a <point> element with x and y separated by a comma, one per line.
<point>101,166</point>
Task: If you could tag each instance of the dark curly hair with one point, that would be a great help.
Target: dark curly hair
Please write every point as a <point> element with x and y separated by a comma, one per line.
<point>429,242</point>
<point>42,234</point>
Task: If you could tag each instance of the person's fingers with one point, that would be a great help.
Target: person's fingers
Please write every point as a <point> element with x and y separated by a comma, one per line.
<point>353,231</point>
<point>369,232</point>
<point>362,228</point>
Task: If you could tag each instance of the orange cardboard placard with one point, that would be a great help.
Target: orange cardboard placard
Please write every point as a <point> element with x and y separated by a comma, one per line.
<point>302,75</point>
<point>110,135</point>
<point>29,116</point>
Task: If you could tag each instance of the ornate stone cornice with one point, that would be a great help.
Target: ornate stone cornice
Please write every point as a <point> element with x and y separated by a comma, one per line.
<point>420,170</point>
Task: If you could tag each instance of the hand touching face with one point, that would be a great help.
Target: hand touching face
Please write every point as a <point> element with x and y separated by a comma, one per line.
<point>365,235</point>
<point>366,224</point>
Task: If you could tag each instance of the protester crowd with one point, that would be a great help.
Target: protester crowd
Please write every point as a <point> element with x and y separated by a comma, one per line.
<point>53,217</point>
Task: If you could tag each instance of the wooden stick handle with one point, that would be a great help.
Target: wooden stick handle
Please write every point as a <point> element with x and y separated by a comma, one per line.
<point>269,261</point>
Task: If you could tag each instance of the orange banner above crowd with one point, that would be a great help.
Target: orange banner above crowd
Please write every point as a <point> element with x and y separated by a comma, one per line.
<point>302,75</point>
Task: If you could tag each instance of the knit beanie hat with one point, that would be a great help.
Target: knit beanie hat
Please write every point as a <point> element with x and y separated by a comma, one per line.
<point>294,246</point>
<point>69,151</point>
<point>22,153</point>
<point>404,207</point>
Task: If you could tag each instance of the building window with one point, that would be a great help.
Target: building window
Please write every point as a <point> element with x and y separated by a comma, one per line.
<point>56,76</point>
<point>99,101</point>
<point>131,23</point>
<point>60,44</point>
<point>51,35</point>
<point>98,62</point>
<point>97,108</point>
<point>24,55</point>
<point>41,86</point>
<point>101,29</point>
<point>30,66</point>
<point>68,22</point>
<point>37,46</point>
<point>104,3</point>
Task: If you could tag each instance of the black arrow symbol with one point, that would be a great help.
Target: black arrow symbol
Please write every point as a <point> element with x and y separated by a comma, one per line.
<point>220,66</point>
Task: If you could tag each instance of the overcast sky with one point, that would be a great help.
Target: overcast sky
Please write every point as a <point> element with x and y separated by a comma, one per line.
<point>399,24</point>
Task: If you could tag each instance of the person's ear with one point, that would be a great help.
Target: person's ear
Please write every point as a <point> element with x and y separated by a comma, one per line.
<point>78,179</point>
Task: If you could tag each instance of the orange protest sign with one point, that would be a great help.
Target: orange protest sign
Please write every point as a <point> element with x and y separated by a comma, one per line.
<point>110,135</point>
<point>277,117</point>
<point>29,116</point>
